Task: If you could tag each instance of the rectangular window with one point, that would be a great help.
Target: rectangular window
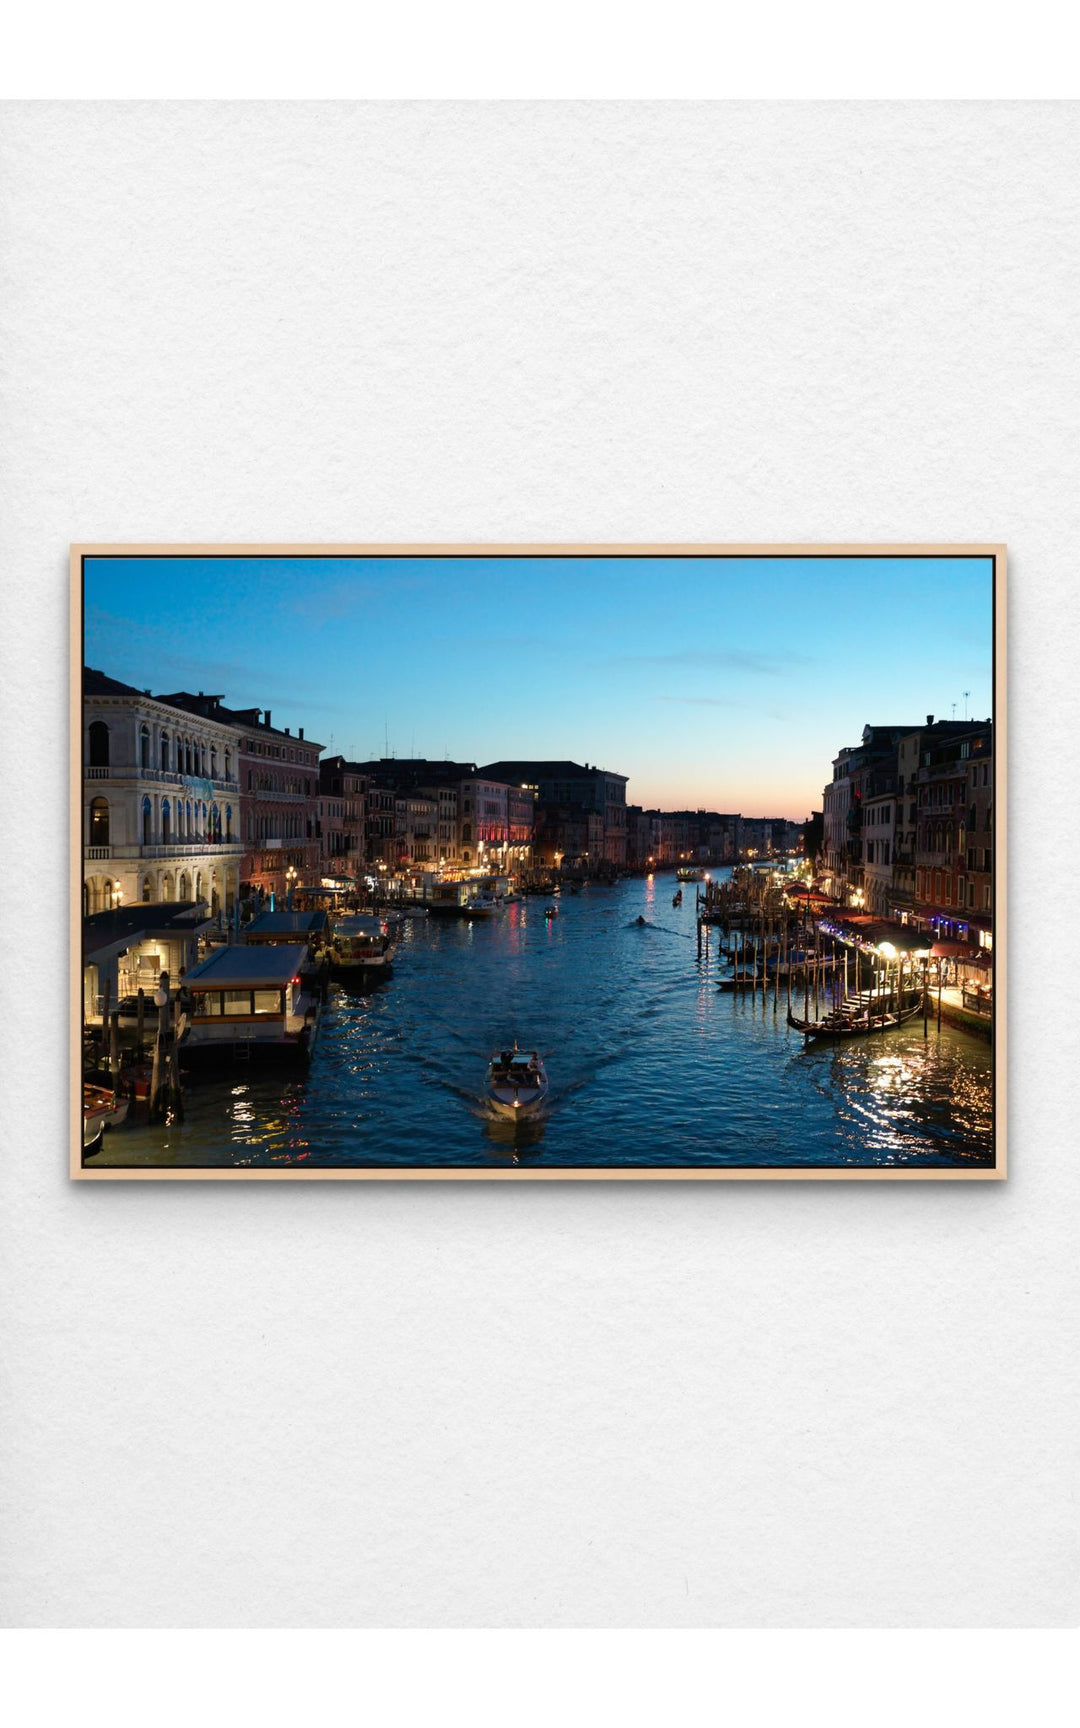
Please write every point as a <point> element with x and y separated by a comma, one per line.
<point>237,1002</point>
<point>207,1002</point>
<point>267,1001</point>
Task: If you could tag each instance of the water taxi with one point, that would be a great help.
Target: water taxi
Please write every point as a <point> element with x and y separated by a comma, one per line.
<point>244,1002</point>
<point>689,873</point>
<point>517,1082</point>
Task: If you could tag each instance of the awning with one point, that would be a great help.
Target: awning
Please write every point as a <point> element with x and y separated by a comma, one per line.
<point>962,952</point>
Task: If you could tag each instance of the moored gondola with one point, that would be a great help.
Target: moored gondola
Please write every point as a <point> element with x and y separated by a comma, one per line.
<point>855,1023</point>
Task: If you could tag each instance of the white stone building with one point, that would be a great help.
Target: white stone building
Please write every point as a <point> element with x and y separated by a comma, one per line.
<point>161,801</point>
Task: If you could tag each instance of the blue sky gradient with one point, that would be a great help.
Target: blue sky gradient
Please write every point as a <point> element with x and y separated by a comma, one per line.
<point>725,683</point>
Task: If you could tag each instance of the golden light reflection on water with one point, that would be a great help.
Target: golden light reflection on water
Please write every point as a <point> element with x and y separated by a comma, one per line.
<point>648,1063</point>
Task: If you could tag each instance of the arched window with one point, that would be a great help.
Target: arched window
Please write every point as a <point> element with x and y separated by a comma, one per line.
<point>99,822</point>
<point>213,761</point>
<point>228,765</point>
<point>99,744</point>
<point>215,825</point>
<point>187,755</point>
<point>184,888</point>
<point>147,825</point>
<point>164,752</point>
<point>146,888</point>
<point>166,823</point>
<point>144,747</point>
<point>228,823</point>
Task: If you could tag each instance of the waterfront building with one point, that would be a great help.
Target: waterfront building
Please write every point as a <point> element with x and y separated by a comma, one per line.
<point>954,794</point>
<point>341,820</point>
<point>566,784</point>
<point>880,805</point>
<point>161,800</point>
<point>127,949</point>
<point>861,772</point>
<point>836,809</point>
<point>279,795</point>
<point>568,838</point>
<point>416,821</point>
<point>496,823</point>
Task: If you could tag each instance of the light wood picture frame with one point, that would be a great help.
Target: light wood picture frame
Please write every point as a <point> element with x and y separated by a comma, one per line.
<point>532,1168</point>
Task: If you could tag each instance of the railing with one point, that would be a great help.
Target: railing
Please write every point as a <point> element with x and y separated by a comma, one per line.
<point>223,849</point>
<point>161,777</point>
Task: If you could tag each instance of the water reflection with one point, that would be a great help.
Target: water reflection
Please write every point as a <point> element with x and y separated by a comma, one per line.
<point>648,1064</point>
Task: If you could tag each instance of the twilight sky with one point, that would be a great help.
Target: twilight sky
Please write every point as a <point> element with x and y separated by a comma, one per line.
<point>728,683</point>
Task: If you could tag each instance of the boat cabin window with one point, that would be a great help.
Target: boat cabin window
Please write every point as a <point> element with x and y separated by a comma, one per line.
<point>233,1004</point>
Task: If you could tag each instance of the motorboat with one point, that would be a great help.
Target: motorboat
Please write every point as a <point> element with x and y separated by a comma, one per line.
<point>245,1002</point>
<point>689,873</point>
<point>551,912</point>
<point>483,905</point>
<point>517,1081</point>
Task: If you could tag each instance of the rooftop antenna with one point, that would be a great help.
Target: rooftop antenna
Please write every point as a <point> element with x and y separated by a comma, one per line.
<point>386,737</point>
<point>967,693</point>
<point>954,710</point>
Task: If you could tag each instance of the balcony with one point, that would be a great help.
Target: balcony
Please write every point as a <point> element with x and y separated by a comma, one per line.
<point>159,777</point>
<point>223,849</point>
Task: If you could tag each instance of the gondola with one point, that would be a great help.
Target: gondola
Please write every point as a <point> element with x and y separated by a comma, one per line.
<point>861,1025</point>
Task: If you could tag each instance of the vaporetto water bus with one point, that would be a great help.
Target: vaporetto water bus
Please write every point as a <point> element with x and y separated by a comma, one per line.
<point>359,949</point>
<point>245,1002</point>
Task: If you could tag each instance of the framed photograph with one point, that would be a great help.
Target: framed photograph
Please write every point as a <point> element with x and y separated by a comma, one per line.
<point>538,862</point>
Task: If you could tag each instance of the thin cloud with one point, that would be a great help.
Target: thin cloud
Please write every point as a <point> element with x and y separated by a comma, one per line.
<point>726,659</point>
<point>704,701</point>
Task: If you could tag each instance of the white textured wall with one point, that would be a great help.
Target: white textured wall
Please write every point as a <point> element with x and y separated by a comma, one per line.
<point>440,1405</point>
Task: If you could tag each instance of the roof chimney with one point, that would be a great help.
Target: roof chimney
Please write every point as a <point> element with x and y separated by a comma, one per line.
<point>286,731</point>
<point>266,716</point>
<point>299,731</point>
<point>929,719</point>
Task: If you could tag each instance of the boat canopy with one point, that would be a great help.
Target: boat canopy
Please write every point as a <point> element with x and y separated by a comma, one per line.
<point>240,968</point>
<point>284,924</point>
<point>358,924</point>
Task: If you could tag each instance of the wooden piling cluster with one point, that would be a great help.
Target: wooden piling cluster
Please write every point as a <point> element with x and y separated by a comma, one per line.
<point>166,1101</point>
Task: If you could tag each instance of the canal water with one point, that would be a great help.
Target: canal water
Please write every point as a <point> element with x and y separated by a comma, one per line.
<point>648,1064</point>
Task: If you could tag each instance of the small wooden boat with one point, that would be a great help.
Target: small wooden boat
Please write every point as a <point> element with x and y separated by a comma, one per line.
<point>677,898</point>
<point>517,1082</point>
<point>101,1109</point>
